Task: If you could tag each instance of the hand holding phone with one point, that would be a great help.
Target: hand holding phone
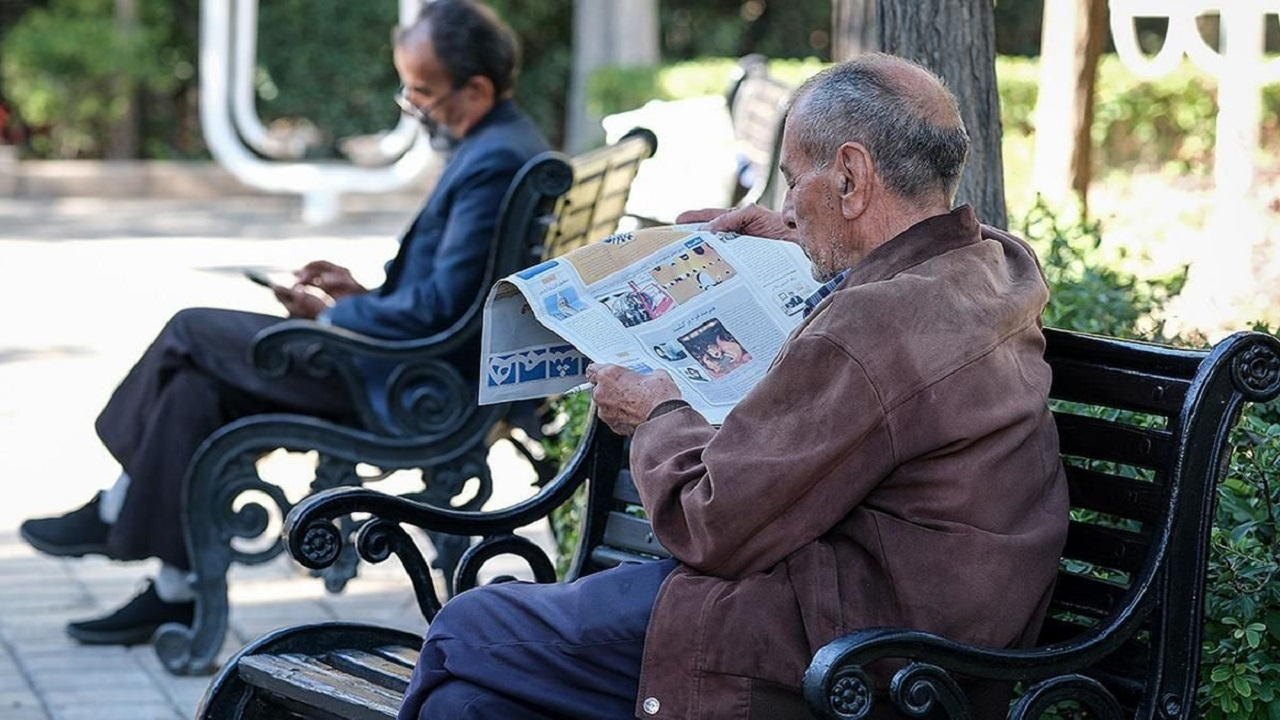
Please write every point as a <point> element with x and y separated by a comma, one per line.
<point>259,278</point>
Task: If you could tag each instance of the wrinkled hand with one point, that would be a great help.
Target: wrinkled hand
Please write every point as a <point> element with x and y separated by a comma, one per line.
<point>699,216</point>
<point>624,398</point>
<point>299,302</point>
<point>335,280</point>
<point>752,220</point>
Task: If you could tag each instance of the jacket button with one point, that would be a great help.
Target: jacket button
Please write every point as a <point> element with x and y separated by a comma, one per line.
<point>651,706</point>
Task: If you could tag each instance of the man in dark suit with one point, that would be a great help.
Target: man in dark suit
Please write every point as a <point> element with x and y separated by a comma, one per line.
<point>457,64</point>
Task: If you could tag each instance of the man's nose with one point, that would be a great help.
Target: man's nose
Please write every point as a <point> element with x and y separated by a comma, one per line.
<point>788,211</point>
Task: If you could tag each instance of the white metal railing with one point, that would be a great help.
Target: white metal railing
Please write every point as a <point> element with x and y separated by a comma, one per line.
<point>238,140</point>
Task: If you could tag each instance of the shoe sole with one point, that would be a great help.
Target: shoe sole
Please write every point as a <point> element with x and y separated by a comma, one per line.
<point>66,550</point>
<point>125,636</point>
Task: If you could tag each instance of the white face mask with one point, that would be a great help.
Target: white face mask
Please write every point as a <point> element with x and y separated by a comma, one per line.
<point>439,137</point>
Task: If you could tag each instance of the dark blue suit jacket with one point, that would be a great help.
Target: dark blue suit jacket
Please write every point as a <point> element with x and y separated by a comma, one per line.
<point>438,270</point>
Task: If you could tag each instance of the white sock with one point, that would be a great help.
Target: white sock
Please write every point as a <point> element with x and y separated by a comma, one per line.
<point>173,585</point>
<point>112,499</point>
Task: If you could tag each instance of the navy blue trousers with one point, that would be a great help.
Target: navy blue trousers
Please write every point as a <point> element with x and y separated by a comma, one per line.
<point>528,651</point>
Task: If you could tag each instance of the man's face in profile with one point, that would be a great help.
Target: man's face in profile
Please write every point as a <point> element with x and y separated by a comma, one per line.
<point>428,93</point>
<point>812,207</point>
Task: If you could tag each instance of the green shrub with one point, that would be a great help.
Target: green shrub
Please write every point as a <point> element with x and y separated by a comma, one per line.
<point>571,415</point>
<point>335,74</point>
<point>1240,670</point>
<point>1168,122</point>
<point>62,67</point>
<point>1086,292</point>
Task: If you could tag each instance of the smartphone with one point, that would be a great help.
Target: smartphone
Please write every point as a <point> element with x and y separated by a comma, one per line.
<point>259,278</point>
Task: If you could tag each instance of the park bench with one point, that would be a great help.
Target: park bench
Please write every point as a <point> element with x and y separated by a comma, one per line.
<point>1144,434</point>
<point>435,425</point>
<point>757,103</point>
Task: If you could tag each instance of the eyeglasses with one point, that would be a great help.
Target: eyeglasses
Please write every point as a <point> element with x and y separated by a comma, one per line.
<point>421,114</point>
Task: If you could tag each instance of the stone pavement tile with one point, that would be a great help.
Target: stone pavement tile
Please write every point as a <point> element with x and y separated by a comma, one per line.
<point>119,711</point>
<point>182,692</point>
<point>20,709</point>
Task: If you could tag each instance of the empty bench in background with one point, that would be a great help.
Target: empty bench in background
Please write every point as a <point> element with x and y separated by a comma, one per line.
<point>757,103</point>
<point>1144,434</point>
<point>555,203</point>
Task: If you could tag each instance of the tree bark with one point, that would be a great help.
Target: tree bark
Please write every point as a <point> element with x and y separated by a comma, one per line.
<point>853,28</point>
<point>606,33</point>
<point>124,141</point>
<point>956,39</point>
<point>1071,42</point>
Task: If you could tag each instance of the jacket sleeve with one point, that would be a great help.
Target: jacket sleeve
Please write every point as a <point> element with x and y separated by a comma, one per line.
<point>792,459</point>
<point>450,253</point>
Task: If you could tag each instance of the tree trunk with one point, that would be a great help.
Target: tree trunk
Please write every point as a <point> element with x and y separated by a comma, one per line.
<point>124,141</point>
<point>853,28</point>
<point>606,33</point>
<point>1071,43</point>
<point>956,39</point>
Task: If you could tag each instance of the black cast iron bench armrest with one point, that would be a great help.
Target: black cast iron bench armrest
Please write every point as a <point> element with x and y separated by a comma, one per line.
<point>314,538</point>
<point>422,384</point>
<point>836,685</point>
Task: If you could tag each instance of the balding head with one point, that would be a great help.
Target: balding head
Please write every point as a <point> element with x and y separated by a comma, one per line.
<point>901,112</point>
<point>469,39</point>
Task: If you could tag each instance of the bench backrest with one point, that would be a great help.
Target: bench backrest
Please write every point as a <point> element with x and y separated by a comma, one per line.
<point>1143,432</point>
<point>757,105</point>
<point>597,201</point>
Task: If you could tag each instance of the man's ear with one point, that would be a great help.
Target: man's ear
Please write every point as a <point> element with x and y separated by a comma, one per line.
<point>482,87</point>
<point>856,172</point>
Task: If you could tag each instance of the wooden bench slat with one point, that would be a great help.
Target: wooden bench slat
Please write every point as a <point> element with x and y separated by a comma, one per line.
<point>1115,495</point>
<point>1105,546</point>
<point>1084,595</point>
<point>1079,380</point>
<point>632,533</point>
<point>607,557</point>
<point>624,488</point>
<point>378,670</point>
<point>404,656</point>
<point>303,680</point>
<point>1099,439</point>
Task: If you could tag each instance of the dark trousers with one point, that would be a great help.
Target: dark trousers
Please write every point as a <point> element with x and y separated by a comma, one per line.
<point>194,378</point>
<point>527,651</point>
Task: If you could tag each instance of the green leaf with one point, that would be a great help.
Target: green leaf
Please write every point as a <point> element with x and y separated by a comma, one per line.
<point>1242,686</point>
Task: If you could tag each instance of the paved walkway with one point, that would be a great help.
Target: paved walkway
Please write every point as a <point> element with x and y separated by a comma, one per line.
<point>87,284</point>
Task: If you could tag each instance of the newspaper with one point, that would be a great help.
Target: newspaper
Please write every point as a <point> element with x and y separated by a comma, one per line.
<point>711,309</point>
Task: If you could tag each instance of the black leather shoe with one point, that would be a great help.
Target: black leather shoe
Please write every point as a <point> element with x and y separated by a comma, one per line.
<point>134,623</point>
<point>78,533</point>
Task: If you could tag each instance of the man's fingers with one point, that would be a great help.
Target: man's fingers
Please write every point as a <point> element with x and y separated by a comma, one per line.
<point>699,215</point>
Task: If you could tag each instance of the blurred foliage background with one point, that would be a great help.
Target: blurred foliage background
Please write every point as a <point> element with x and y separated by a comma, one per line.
<point>60,60</point>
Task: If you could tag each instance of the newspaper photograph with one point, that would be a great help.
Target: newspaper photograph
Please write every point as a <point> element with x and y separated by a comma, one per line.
<point>710,309</point>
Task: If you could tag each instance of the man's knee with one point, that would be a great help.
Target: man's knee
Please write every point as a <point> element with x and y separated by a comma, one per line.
<point>190,321</point>
<point>467,615</point>
<point>461,700</point>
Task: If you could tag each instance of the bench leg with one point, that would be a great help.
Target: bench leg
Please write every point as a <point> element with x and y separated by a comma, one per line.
<point>224,471</point>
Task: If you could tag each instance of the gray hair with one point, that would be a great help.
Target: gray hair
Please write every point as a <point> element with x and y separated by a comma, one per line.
<point>912,130</point>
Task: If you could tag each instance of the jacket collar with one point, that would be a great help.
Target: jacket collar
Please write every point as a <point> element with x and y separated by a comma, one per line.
<point>502,111</point>
<point>926,239</point>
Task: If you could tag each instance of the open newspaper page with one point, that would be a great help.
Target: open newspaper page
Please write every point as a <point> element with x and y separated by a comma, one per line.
<point>711,309</point>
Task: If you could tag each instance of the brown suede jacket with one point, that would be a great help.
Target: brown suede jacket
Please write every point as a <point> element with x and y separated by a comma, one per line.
<point>897,466</point>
